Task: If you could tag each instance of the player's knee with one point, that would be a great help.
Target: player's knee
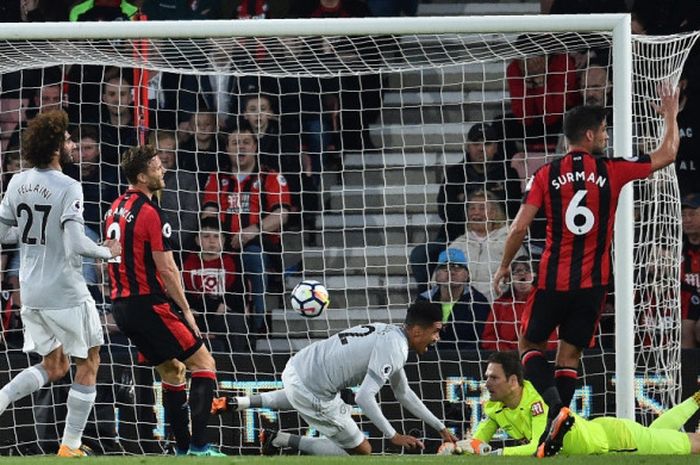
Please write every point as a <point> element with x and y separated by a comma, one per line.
<point>568,355</point>
<point>364,448</point>
<point>56,368</point>
<point>94,360</point>
<point>202,360</point>
<point>209,362</point>
<point>172,371</point>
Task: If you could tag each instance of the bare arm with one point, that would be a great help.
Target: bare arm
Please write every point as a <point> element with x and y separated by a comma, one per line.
<point>166,266</point>
<point>518,231</point>
<point>271,223</point>
<point>665,154</point>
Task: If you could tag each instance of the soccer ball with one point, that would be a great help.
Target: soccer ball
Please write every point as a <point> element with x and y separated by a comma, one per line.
<point>310,298</point>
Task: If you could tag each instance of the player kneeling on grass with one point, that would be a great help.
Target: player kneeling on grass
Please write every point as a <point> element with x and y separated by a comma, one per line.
<point>368,355</point>
<point>517,408</point>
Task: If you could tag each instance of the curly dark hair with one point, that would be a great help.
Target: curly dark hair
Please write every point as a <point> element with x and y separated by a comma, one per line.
<point>44,136</point>
<point>135,161</point>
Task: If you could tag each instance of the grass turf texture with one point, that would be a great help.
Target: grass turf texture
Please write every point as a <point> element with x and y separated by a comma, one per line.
<point>619,459</point>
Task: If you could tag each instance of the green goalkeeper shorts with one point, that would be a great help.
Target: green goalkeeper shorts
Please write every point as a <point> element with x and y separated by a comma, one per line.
<point>629,436</point>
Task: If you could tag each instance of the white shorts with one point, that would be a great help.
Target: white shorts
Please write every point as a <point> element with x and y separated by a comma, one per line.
<point>77,329</point>
<point>332,418</point>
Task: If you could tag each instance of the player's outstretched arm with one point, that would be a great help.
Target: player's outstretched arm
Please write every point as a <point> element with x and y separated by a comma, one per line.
<point>411,402</point>
<point>76,242</point>
<point>366,400</point>
<point>514,240</point>
<point>668,108</point>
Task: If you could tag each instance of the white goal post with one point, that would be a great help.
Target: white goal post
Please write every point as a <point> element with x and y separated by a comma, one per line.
<point>419,45</point>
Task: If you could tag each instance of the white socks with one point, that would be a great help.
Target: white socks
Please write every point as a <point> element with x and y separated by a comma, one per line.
<point>276,400</point>
<point>81,398</point>
<point>25,383</point>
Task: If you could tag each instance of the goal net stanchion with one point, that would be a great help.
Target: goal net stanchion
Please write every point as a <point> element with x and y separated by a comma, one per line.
<point>437,78</point>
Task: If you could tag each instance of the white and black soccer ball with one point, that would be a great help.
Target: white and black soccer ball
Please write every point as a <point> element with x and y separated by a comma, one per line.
<point>310,298</point>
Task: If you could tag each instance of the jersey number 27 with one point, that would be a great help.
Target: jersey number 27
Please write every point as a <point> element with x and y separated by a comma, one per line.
<point>43,210</point>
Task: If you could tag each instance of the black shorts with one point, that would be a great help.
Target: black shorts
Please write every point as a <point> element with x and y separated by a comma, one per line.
<point>156,327</point>
<point>575,313</point>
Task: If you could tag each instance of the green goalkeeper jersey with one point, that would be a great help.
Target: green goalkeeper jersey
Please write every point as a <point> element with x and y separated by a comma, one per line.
<point>525,423</point>
<point>528,420</point>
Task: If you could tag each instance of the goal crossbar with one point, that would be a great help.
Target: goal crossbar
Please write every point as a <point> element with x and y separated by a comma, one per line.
<point>294,27</point>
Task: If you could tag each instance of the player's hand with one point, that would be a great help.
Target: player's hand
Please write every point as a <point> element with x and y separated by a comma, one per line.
<point>409,442</point>
<point>447,436</point>
<point>189,317</point>
<point>447,448</point>
<point>114,246</point>
<point>236,242</point>
<point>668,94</point>
<point>500,278</point>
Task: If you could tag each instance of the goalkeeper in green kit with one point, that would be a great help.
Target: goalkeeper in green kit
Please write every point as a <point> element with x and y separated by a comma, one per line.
<point>517,408</point>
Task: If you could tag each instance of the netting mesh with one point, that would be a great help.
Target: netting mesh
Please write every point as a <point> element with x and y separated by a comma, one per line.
<point>373,137</point>
<point>295,56</point>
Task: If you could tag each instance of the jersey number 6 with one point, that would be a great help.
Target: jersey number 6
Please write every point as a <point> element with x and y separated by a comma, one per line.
<point>574,211</point>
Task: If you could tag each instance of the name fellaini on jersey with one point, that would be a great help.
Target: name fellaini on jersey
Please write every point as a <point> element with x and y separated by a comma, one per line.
<point>32,188</point>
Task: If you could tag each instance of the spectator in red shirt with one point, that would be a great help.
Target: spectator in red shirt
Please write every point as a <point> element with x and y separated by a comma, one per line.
<point>503,325</point>
<point>253,202</point>
<point>212,287</point>
<point>542,88</point>
<point>690,272</point>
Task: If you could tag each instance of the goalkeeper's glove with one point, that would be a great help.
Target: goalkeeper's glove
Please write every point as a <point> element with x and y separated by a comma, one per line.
<point>468,447</point>
<point>476,447</point>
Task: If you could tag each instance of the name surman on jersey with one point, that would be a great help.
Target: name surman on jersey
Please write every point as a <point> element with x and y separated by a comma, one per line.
<point>578,194</point>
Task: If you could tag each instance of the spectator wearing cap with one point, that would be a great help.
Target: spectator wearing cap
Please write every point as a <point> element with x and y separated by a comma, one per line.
<point>503,324</point>
<point>690,272</point>
<point>482,168</point>
<point>464,309</point>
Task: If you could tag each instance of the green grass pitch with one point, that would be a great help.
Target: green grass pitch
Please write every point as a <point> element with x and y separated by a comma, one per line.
<point>619,459</point>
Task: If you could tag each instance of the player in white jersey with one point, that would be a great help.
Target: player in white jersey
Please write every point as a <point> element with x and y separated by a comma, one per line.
<point>367,355</point>
<point>59,315</point>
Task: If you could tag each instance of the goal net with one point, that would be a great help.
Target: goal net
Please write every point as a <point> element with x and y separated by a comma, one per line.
<point>381,138</point>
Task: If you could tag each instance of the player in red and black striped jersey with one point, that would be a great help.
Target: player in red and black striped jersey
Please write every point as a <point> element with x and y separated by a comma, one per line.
<point>578,194</point>
<point>149,304</point>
